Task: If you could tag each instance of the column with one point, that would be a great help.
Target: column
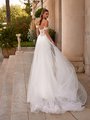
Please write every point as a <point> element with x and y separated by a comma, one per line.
<point>58,22</point>
<point>50,5</point>
<point>87,37</point>
<point>73,29</point>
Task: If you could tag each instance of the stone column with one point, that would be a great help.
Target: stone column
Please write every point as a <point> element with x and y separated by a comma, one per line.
<point>73,29</point>
<point>58,22</point>
<point>50,5</point>
<point>87,37</point>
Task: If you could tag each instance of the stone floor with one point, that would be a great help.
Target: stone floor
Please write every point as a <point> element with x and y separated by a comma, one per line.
<point>14,74</point>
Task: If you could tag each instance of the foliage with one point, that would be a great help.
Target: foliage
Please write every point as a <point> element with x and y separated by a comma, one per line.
<point>7,38</point>
<point>52,33</point>
<point>27,44</point>
<point>28,8</point>
<point>2,14</point>
<point>15,12</point>
<point>8,35</point>
<point>38,12</point>
<point>1,25</point>
<point>21,26</point>
<point>31,35</point>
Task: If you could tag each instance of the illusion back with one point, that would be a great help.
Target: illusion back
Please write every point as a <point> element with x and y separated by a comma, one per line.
<point>42,31</point>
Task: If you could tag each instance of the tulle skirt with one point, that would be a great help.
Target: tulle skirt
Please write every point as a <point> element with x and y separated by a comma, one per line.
<point>53,85</point>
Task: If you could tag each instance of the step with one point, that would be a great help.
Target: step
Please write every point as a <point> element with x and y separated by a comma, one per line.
<point>19,89</point>
<point>13,93</point>
<point>3,69</point>
<point>27,48</point>
<point>6,92</point>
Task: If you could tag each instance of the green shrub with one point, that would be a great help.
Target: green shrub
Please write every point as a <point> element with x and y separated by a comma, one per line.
<point>21,25</point>
<point>31,35</point>
<point>52,33</point>
<point>38,12</point>
<point>7,38</point>
<point>1,25</point>
<point>27,44</point>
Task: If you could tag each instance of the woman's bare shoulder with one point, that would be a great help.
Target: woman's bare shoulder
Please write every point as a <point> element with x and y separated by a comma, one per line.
<point>45,22</point>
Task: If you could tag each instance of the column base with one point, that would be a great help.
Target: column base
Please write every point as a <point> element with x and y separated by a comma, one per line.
<point>78,64</point>
<point>87,69</point>
<point>79,67</point>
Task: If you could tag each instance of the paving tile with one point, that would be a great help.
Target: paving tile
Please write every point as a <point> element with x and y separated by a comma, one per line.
<point>5,105</point>
<point>27,66</point>
<point>19,91</point>
<point>5,117</point>
<point>84,115</point>
<point>3,70</point>
<point>88,102</point>
<point>7,86</point>
<point>19,108</point>
<point>36,116</point>
<point>19,116</point>
<point>6,92</point>
<point>64,116</point>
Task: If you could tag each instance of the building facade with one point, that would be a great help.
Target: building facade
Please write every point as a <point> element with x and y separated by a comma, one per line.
<point>71,21</point>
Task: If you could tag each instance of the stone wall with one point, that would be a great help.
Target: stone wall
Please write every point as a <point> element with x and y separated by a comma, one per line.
<point>73,30</point>
<point>87,37</point>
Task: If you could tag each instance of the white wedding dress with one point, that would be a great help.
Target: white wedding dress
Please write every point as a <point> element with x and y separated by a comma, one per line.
<point>53,84</point>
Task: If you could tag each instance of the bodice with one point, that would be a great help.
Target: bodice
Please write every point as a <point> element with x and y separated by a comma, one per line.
<point>42,31</point>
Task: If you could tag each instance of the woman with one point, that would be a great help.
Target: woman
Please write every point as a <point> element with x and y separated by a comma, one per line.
<point>53,84</point>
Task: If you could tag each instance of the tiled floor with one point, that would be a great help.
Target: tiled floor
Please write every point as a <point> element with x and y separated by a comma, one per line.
<point>14,74</point>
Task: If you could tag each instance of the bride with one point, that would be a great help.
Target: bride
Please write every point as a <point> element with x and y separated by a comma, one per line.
<point>53,84</point>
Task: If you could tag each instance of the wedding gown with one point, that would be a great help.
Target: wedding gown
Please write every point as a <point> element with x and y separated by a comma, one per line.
<point>53,84</point>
